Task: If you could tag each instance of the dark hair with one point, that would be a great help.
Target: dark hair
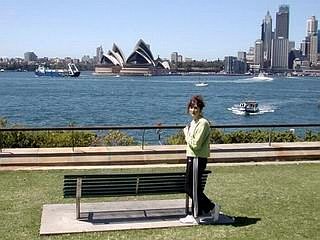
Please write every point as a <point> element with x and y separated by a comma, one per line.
<point>196,100</point>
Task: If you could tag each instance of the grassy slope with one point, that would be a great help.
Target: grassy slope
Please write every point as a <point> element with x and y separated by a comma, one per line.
<point>271,202</point>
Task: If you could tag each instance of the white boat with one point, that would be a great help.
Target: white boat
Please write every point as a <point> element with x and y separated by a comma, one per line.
<point>262,76</point>
<point>1,70</point>
<point>201,84</point>
<point>250,106</point>
<point>72,71</point>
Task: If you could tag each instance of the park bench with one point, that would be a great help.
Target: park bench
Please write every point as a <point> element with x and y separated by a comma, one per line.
<point>131,184</point>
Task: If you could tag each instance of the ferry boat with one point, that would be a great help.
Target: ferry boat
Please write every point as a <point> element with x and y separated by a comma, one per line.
<point>249,106</point>
<point>201,84</point>
<point>72,71</point>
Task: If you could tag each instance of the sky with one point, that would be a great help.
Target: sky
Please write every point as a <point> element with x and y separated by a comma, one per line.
<point>201,29</point>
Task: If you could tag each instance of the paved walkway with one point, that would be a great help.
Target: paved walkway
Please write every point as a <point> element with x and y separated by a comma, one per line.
<point>120,215</point>
<point>94,157</point>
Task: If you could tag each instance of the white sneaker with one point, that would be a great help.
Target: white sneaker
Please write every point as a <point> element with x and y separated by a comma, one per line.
<point>188,219</point>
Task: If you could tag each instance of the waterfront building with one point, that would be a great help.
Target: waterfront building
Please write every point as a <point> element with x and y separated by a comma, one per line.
<point>250,57</point>
<point>99,54</point>
<point>187,59</point>
<point>258,53</point>
<point>279,58</point>
<point>242,56</point>
<point>139,62</point>
<point>293,55</point>
<point>229,64</point>
<point>301,64</point>
<point>266,37</point>
<point>232,65</point>
<point>30,57</point>
<point>282,22</point>
<point>174,57</point>
<point>305,47</point>
<point>180,59</point>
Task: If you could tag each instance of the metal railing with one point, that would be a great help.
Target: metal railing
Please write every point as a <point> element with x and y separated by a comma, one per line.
<point>158,129</point>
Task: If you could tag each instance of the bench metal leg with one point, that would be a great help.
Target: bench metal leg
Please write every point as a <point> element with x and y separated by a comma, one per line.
<point>187,204</point>
<point>78,197</point>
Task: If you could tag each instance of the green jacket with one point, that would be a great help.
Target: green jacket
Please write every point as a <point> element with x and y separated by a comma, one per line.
<point>198,141</point>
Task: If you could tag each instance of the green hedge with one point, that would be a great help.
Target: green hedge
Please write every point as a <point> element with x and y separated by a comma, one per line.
<point>25,139</point>
<point>254,136</point>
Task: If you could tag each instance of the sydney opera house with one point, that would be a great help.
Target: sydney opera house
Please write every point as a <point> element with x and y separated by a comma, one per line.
<point>139,63</point>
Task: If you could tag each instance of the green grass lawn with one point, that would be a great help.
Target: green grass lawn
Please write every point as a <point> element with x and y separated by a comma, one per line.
<point>270,202</point>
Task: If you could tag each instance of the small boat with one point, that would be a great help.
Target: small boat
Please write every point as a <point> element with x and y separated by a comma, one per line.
<point>147,74</point>
<point>1,70</point>
<point>201,84</point>
<point>262,76</point>
<point>72,71</point>
<point>249,106</point>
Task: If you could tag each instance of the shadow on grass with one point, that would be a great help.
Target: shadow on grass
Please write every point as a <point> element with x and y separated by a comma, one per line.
<point>231,220</point>
<point>131,216</point>
<point>244,221</point>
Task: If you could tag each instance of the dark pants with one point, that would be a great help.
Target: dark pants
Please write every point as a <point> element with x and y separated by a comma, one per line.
<point>204,203</point>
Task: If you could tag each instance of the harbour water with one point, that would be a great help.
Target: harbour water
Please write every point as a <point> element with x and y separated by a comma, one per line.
<point>100,100</point>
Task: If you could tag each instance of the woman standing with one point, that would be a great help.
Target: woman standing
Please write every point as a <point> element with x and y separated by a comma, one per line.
<point>197,136</point>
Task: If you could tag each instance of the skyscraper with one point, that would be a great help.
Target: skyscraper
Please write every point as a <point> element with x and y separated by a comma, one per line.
<point>280,53</point>
<point>266,37</point>
<point>258,53</point>
<point>313,49</point>
<point>280,43</point>
<point>312,39</point>
<point>318,41</point>
<point>312,26</point>
<point>282,22</point>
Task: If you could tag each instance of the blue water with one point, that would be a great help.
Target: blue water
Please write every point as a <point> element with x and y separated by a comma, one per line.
<point>100,100</point>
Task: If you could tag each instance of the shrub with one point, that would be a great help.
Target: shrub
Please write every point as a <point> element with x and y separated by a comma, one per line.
<point>310,137</point>
<point>46,139</point>
<point>118,138</point>
<point>176,139</point>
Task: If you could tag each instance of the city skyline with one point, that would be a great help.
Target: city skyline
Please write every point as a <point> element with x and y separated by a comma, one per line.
<point>200,30</point>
